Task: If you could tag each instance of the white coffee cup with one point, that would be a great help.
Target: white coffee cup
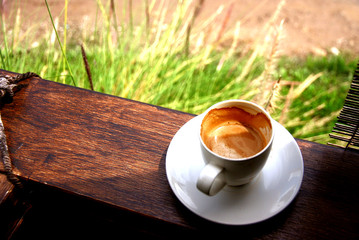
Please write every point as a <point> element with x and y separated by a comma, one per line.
<point>240,135</point>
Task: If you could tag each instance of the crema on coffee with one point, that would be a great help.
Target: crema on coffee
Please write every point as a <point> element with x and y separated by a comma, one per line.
<point>234,133</point>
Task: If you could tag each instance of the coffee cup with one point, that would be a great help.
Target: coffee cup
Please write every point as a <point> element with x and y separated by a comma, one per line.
<point>236,138</point>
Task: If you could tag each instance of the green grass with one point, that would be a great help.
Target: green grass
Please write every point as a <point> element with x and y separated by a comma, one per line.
<point>312,115</point>
<point>154,62</point>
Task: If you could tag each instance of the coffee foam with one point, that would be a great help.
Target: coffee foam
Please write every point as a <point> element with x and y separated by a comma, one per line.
<point>235,133</point>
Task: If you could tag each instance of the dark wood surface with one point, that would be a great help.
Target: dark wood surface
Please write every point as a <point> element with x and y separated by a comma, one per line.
<point>101,159</point>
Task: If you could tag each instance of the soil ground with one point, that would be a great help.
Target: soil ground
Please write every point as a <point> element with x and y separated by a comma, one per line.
<point>311,26</point>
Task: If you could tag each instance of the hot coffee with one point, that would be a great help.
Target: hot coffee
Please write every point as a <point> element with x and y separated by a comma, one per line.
<point>235,133</point>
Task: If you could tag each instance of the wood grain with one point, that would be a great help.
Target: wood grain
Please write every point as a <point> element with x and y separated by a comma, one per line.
<point>101,150</point>
<point>5,188</point>
<point>94,145</point>
<point>12,208</point>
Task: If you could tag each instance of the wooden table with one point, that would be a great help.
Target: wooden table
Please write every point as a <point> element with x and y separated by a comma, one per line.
<point>94,164</point>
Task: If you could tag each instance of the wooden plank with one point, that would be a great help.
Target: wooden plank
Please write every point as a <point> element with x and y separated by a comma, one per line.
<point>326,206</point>
<point>111,151</point>
<point>13,208</point>
<point>95,145</point>
<point>6,224</point>
<point>5,188</point>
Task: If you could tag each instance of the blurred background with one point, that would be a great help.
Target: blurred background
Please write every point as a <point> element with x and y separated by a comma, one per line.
<point>294,57</point>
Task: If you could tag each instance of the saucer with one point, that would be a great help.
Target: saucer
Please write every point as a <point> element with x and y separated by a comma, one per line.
<point>268,194</point>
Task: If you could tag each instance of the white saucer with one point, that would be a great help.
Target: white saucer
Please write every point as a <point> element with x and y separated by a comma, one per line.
<point>269,193</point>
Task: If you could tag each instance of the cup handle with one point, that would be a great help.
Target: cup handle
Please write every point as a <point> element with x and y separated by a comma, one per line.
<point>211,179</point>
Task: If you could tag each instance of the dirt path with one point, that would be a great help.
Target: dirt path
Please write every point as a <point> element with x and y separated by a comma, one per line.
<point>311,26</point>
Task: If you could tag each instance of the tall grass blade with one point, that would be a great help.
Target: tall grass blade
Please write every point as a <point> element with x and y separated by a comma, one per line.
<point>65,34</point>
<point>16,28</point>
<point>148,21</point>
<point>58,40</point>
<point>196,12</point>
<point>305,84</point>
<point>224,23</point>
<point>4,59</point>
<point>130,15</point>
<point>87,67</point>
<point>275,91</point>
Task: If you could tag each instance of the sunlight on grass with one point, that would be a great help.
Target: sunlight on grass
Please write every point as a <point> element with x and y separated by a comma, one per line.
<point>172,59</point>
